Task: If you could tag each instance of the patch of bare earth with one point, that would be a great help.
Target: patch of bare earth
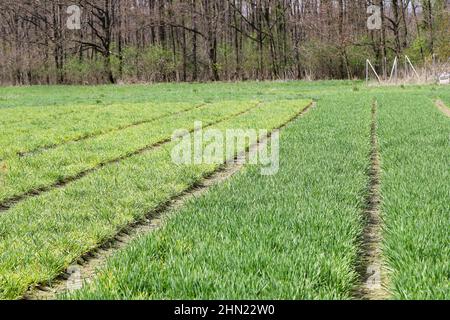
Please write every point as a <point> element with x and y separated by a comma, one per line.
<point>441,106</point>
<point>84,270</point>
<point>371,269</point>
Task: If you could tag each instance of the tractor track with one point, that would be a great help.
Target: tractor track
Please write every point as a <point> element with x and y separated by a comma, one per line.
<point>371,273</point>
<point>22,154</point>
<point>85,268</point>
<point>10,202</point>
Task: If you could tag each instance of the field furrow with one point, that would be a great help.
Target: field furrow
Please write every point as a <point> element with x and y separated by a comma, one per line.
<point>34,174</point>
<point>294,235</point>
<point>52,230</point>
<point>414,146</point>
<point>370,269</point>
<point>359,208</point>
<point>26,130</point>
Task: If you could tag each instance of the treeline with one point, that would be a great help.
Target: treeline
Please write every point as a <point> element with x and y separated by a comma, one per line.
<point>201,40</point>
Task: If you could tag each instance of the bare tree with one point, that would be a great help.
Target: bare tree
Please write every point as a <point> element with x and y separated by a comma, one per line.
<point>192,40</point>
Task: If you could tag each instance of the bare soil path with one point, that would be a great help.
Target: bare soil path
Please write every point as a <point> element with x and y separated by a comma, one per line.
<point>371,269</point>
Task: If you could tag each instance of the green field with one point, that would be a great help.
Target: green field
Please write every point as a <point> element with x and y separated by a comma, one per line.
<point>415,149</point>
<point>80,164</point>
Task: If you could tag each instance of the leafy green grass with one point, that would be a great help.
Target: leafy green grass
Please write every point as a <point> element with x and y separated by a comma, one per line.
<point>45,168</point>
<point>414,145</point>
<point>289,236</point>
<point>52,230</point>
<point>58,96</point>
<point>445,97</point>
<point>29,128</point>
<point>242,239</point>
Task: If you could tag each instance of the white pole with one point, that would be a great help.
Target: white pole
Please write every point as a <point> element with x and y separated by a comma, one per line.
<point>406,70</point>
<point>373,69</point>
<point>396,72</point>
<point>414,69</point>
<point>393,69</point>
<point>367,72</point>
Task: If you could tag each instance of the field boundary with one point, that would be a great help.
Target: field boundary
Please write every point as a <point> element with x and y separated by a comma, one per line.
<point>22,154</point>
<point>10,202</point>
<point>371,266</point>
<point>442,107</point>
<point>88,264</point>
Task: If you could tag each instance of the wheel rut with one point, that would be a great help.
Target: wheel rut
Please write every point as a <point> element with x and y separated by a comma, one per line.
<point>371,268</point>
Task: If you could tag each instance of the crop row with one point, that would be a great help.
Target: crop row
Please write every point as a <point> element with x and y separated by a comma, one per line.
<point>60,96</point>
<point>52,230</point>
<point>27,129</point>
<point>285,243</point>
<point>294,235</point>
<point>414,146</point>
<point>43,169</point>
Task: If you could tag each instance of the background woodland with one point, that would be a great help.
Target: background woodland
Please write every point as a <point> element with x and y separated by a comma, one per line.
<point>212,40</point>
